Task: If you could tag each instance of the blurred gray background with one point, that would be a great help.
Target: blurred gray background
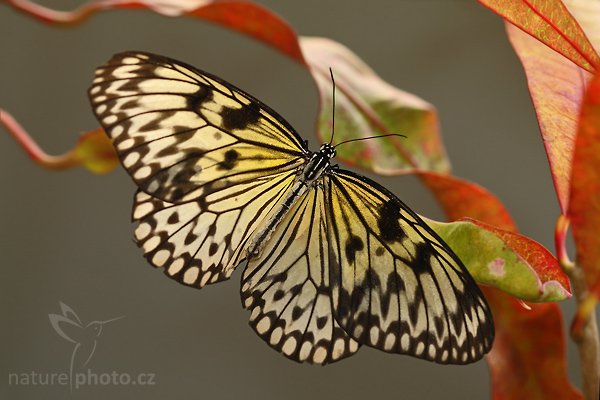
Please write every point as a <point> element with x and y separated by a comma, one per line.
<point>67,236</point>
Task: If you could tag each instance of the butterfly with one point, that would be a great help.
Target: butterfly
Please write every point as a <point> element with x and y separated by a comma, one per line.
<point>334,260</point>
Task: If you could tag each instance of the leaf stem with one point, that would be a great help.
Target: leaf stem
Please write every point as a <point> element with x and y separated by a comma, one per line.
<point>560,239</point>
<point>586,336</point>
<point>584,329</point>
<point>64,161</point>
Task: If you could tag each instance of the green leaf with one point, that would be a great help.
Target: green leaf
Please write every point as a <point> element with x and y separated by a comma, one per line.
<point>505,260</point>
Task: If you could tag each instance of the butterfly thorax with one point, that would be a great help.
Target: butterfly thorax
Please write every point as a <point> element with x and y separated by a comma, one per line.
<point>318,163</point>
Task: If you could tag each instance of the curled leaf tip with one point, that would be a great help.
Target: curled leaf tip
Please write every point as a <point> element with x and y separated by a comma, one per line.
<point>95,152</point>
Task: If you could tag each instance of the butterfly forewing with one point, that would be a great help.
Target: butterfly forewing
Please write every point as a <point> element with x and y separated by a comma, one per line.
<point>182,133</point>
<point>395,285</point>
<point>287,288</point>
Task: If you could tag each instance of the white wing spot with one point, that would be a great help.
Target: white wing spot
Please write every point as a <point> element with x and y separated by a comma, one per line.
<point>404,342</point>
<point>125,144</point>
<point>143,172</point>
<point>289,346</point>
<point>142,231</point>
<point>118,130</point>
<point>176,266</point>
<point>276,336</point>
<point>358,330</point>
<point>420,348</point>
<point>444,355</point>
<point>432,351</point>
<point>130,60</point>
<point>374,335</point>
<point>263,325</point>
<point>160,258</point>
<point>142,210</point>
<point>101,108</point>
<point>205,279</point>
<point>151,244</point>
<point>191,275</point>
<point>390,340</point>
<point>305,351</point>
<point>320,355</point>
<point>131,159</point>
<point>255,312</point>
<point>95,90</point>
<point>338,347</point>
<point>110,119</point>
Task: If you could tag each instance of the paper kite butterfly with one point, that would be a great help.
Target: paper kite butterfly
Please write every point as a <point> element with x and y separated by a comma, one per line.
<point>334,260</point>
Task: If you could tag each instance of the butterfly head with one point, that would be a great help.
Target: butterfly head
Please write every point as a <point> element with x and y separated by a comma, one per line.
<point>327,150</point>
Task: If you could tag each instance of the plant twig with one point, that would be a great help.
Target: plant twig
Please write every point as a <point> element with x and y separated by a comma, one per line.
<point>586,339</point>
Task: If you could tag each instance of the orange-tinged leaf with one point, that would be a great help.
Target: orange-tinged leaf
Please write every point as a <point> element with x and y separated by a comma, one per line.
<point>556,87</point>
<point>368,106</point>
<point>95,152</point>
<point>528,357</point>
<point>505,260</point>
<point>550,22</point>
<point>242,16</point>
<point>460,198</point>
<point>584,211</point>
<point>587,14</point>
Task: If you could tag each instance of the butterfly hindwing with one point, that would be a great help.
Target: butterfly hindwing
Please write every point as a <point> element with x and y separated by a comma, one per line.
<point>287,288</point>
<point>396,286</point>
<point>210,161</point>
<point>202,242</point>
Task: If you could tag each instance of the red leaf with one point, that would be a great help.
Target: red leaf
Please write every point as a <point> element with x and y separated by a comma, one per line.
<point>528,357</point>
<point>556,87</point>
<point>242,16</point>
<point>550,22</point>
<point>584,211</point>
<point>460,198</point>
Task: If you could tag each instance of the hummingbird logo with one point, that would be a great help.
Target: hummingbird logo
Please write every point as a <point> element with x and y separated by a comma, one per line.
<point>83,336</point>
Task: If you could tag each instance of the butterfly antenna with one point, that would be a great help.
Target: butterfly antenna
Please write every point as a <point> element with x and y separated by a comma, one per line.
<point>369,137</point>
<point>333,100</point>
